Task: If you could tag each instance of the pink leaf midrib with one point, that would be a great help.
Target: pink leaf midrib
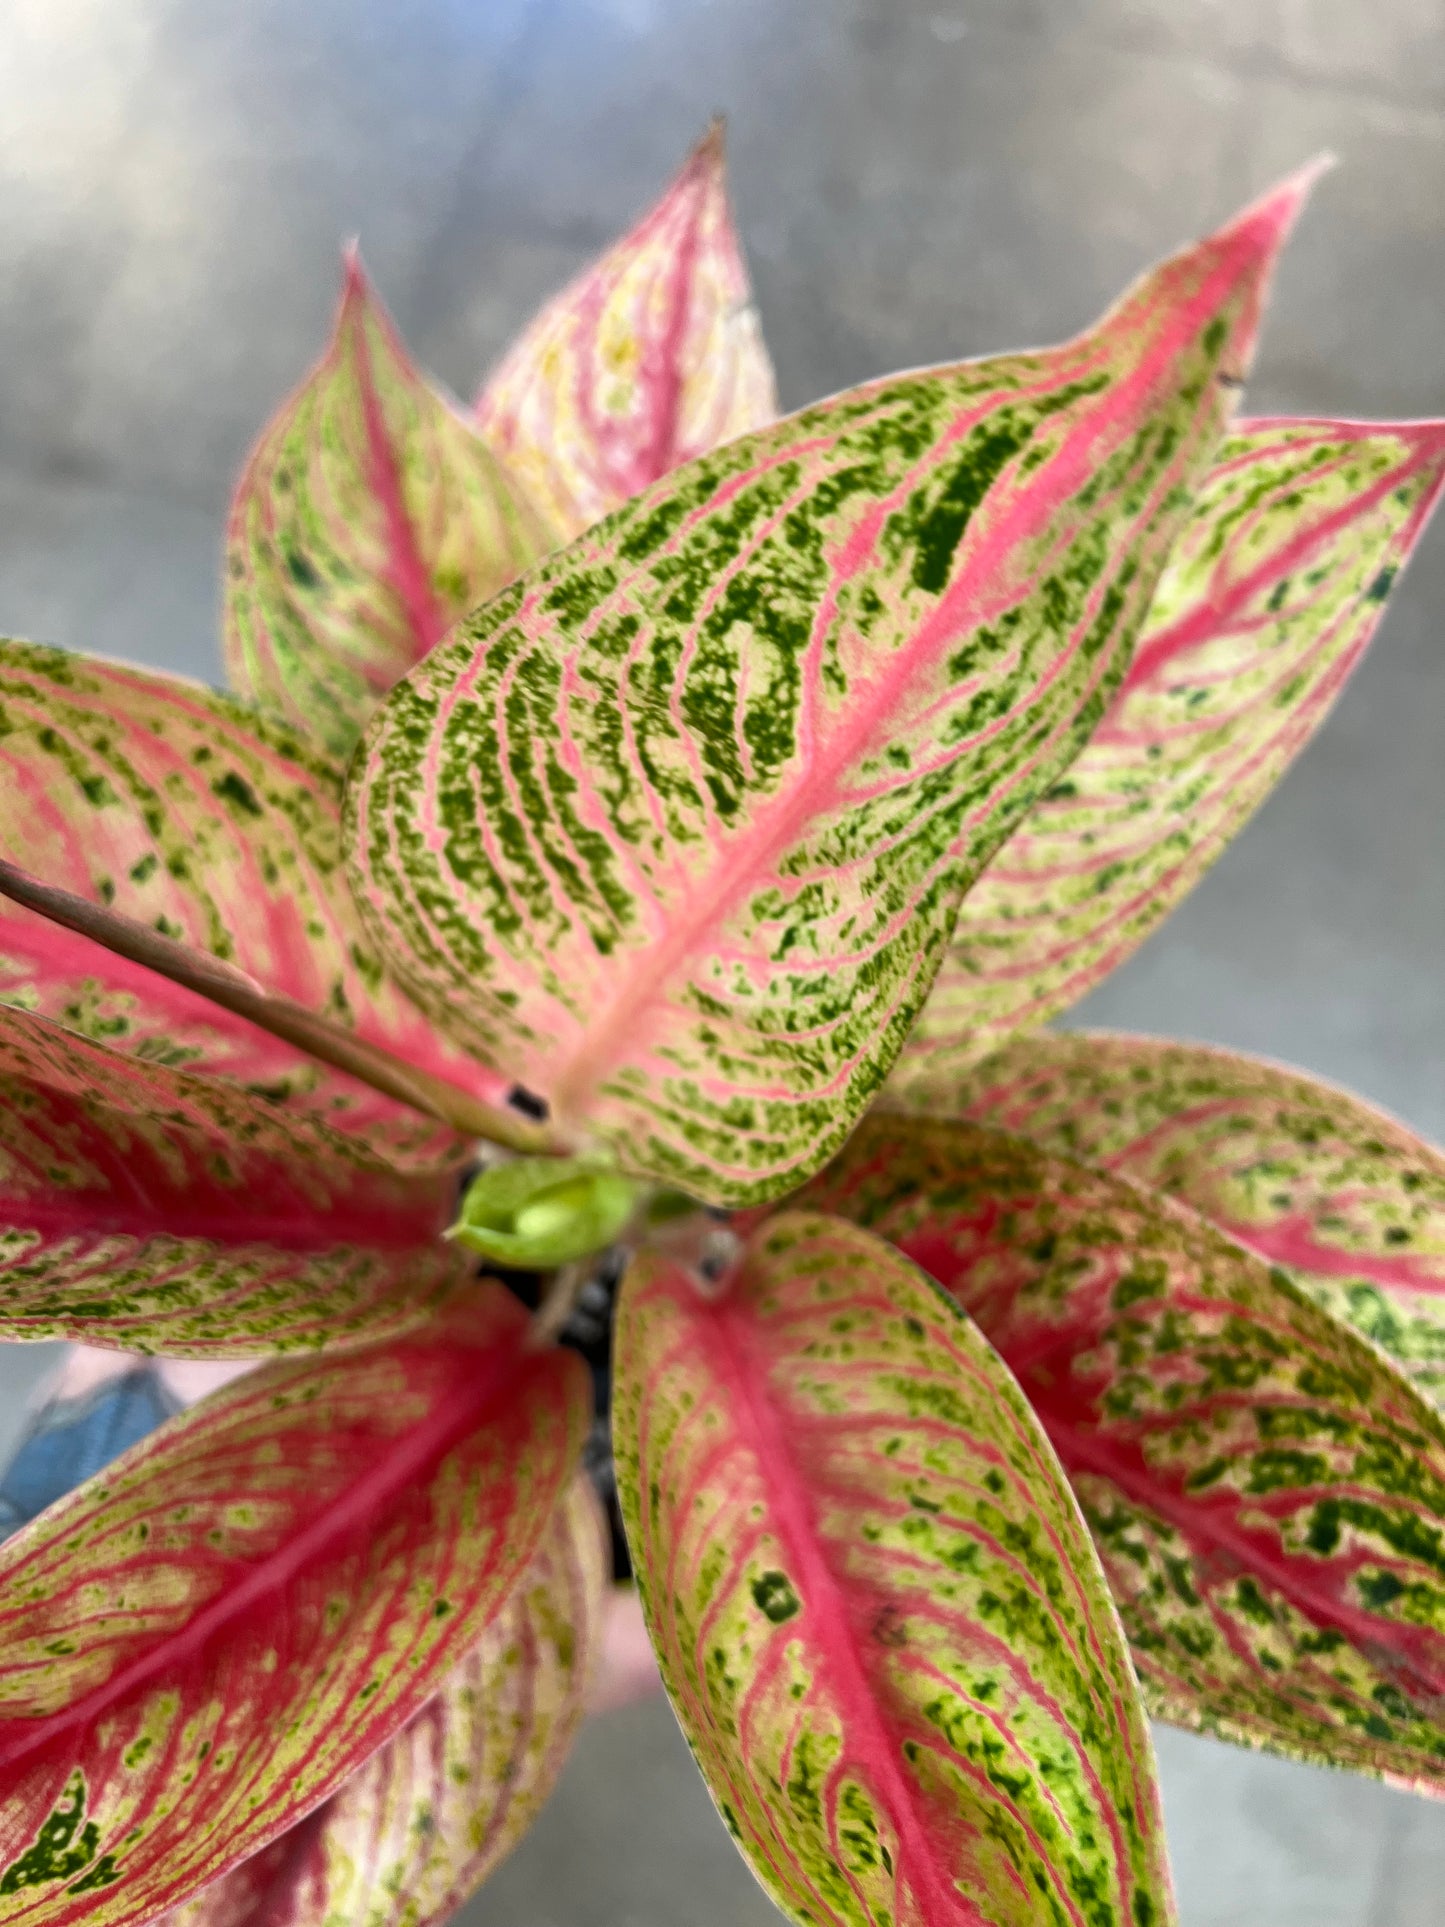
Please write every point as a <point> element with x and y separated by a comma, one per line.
<point>752,1408</point>
<point>425,614</point>
<point>466,1405</point>
<point>339,1224</point>
<point>1081,1447</point>
<point>1292,1241</point>
<point>1202,623</point>
<point>661,453</point>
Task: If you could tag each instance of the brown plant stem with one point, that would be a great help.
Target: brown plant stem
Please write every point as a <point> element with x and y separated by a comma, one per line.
<point>307,1030</point>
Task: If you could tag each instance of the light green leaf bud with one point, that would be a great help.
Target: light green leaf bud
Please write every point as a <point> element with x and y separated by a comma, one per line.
<point>534,1213</point>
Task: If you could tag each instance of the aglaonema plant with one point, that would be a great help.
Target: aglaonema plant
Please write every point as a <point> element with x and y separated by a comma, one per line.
<point>642,824</point>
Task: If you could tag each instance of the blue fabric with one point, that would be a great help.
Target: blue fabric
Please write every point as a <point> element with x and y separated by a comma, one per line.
<point>70,1439</point>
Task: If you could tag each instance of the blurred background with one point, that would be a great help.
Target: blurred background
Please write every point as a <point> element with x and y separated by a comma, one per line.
<point>915,180</point>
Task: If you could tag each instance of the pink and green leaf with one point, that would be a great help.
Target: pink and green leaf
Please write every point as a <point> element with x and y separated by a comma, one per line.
<point>221,829</point>
<point>874,1603</point>
<point>651,357</point>
<point>200,1645</point>
<point>675,830</point>
<point>238,1897</point>
<point>425,1821</point>
<point>153,1210</point>
<point>1271,594</point>
<point>1266,1491</point>
<point>1345,1199</point>
<point>369,517</point>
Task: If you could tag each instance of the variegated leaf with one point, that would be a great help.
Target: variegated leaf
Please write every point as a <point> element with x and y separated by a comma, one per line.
<point>1266,1491</point>
<point>153,1210</point>
<point>651,357</point>
<point>1347,1200</point>
<point>675,829</point>
<point>221,829</point>
<point>1269,599</point>
<point>368,518</point>
<point>874,1603</point>
<point>242,1897</point>
<point>201,1644</point>
<point>425,1821</point>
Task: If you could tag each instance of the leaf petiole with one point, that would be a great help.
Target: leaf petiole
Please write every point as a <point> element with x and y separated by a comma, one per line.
<point>235,991</point>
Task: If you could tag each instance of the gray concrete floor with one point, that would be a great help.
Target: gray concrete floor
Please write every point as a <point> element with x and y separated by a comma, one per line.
<point>916,179</point>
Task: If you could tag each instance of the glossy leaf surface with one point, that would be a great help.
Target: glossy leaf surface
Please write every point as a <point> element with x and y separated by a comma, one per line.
<point>651,357</point>
<point>874,1604</point>
<point>1266,1491</point>
<point>218,828</point>
<point>676,828</point>
<point>202,1643</point>
<point>425,1821</point>
<point>1269,599</point>
<point>154,1210</point>
<point>1346,1199</point>
<point>369,517</point>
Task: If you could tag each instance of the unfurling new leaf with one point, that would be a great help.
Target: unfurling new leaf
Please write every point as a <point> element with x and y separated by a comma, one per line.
<point>538,1212</point>
<point>832,752</point>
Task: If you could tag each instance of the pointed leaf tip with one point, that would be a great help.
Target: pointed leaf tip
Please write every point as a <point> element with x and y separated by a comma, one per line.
<point>1424,436</point>
<point>369,516</point>
<point>1271,217</point>
<point>1235,262</point>
<point>710,154</point>
<point>650,357</point>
